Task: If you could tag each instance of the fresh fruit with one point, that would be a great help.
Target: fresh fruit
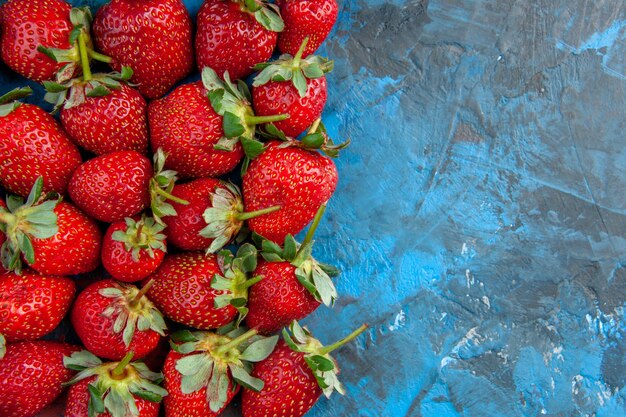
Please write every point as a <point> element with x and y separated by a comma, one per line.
<point>213,217</point>
<point>132,249</point>
<point>153,37</point>
<point>204,291</point>
<point>295,374</point>
<point>306,18</point>
<point>32,376</point>
<point>54,238</point>
<point>293,284</point>
<point>293,86</point>
<point>112,319</point>
<point>296,179</point>
<point>113,186</point>
<point>32,144</point>
<point>32,305</point>
<point>114,389</point>
<point>39,38</point>
<point>233,35</point>
<point>205,371</point>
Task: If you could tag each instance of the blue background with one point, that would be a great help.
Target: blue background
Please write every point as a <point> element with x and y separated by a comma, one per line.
<point>480,216</point>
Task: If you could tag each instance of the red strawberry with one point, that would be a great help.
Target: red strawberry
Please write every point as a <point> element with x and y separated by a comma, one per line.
<point>112,319</point>
<point>234,35</point>
<point>54,238</point>
<point>306,18</point>
<point>295,376</point>
<point>153,37</point>
<point>28,26</point>
<point>293,284</point>
<point>296,179</point>
<point>113,186</point>
<point>292,86</point>
<point>116,389</point>
<point>203,374</point>
<point>133,249</point>
<point>32,376</point>
<point>213,217</point>
<point>32,144</point>
<point>33,305</point>
<point>204,291</point>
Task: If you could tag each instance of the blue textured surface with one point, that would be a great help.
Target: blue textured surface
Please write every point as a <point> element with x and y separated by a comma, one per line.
<point>480,217</point>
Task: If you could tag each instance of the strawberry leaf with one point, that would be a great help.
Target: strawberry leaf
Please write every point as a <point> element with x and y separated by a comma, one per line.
<point>3,346</point>
<point>259,350</point>
<point>246,380</point>
<point>232,125</point>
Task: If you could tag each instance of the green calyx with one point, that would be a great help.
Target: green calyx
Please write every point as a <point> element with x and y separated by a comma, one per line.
<point>3,346</point>
<point>211,356</point>
<point>317,356</point>
<point>8,102</point>
<point>142,235</point>
<point>21,221</point>
<point>75,92</point>
<point>226,216</point>
<point>294,69</point>
<point>161,186</point>
<point>313,275</point>
<point>316,139</point>
<point>117,384</point>
<point>233,104</point>
<point>132,311</point>
<point>234,280</point>
<point>267,14</point>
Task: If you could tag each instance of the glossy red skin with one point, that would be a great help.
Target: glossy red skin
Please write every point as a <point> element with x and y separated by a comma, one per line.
<point>182,291</point>
<point>32,305</point>
<point>281,97</point>
<point>230,39</point>
<point>32,144</point>
<point>187,128</point>
<point>96,331</point>
<point>178,404</point>
<point>26,24</point>
<point>78,402</point>
<point>112,187</point>
<point>312,18</point>
<point>31,376</point>
<point>298,180</point>
<point>120,263</point>
<point>116,122</point>
<point>153,37</point>
<point>290,388</point>
<point>183,230</point>
<point>278,299</point>
<point>74,249</point>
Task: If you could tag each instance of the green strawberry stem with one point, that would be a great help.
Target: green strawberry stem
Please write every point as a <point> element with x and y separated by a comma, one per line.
<point>169,196</point>
<point>119,371</point>
<point>252,214</point>
<point>7,218</point>
<point>236,342</point>
<point>16,94</point>
<point>84,58</point>
<point>99,57</point>
<point>298,56</point>
<point>351,336</point>
<point>143,291</point>
<point>316,221</point>
<point>250,282</point>
<point>257,120</point>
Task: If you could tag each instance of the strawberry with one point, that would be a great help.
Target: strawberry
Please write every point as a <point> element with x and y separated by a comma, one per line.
<point>32,376</point>
<point>306,18</point>
<point>204,373</point>
<point>204,291</point>
<point>32,144</point>
<point>39,38</point>
<point>153,37</point>
<point>295,374</point>
<point>114,389</point>
<point>55,238</point>
<point>213,217</point>
<point>112,319</point>
<point>233,35</point>
<point>293,285</point>
<point>33,305</point>
<point>133,249</point>
<point>292,86</point>
<point>297,179</point>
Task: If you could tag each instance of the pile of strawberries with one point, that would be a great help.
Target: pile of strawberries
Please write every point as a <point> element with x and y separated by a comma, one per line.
<point>178,292</point>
